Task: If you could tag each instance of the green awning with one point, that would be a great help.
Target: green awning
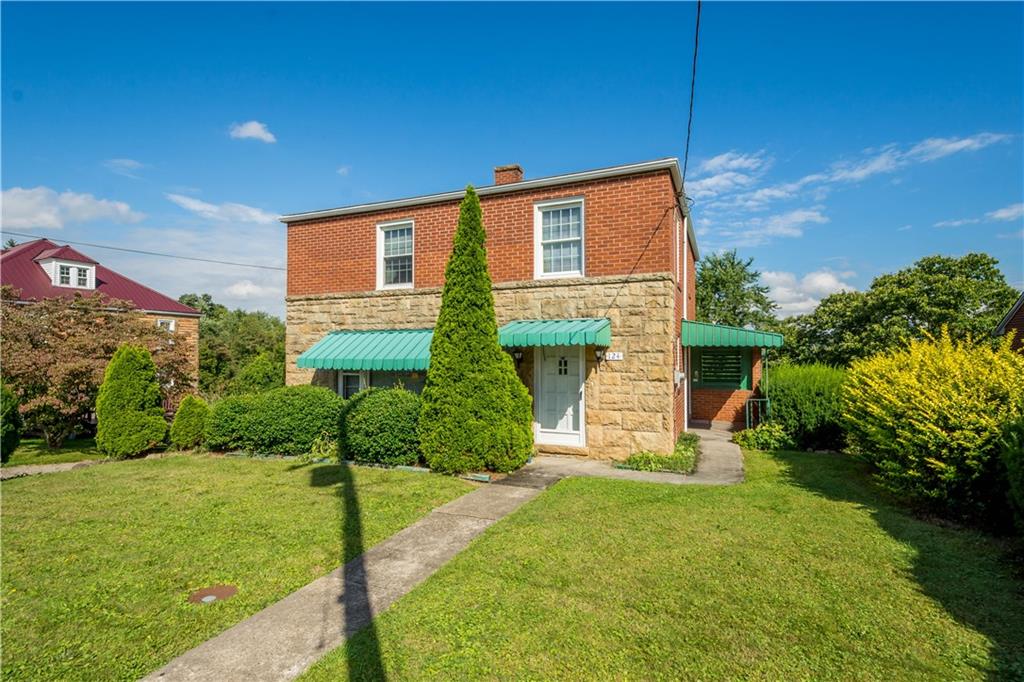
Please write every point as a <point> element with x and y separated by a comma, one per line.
<point>705,335</point>
<point>382,350</point>
<point>585,331</point>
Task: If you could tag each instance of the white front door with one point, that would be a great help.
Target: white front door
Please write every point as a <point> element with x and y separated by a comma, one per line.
<point>558,395</point>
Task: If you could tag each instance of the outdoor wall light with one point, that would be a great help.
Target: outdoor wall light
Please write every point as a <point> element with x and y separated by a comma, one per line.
<point>599,354</point>
<point>517,355</point>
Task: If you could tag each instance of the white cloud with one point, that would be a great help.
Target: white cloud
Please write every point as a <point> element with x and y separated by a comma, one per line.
<point>882,162</point>
<point>735,161</point>
<point>246,289</point>
<point>226,212</point>
<point>1005,214</point>
<point>792,224</point>
<point>343,171</point>
<point>43,207</point>
<point>938,147</point>
<point>904,228</point>
<point>720,183</point>
<point>252,130</point>
<point>758,231</point>
<point>1011,212</point>
<point>126,167</point>
<point>1019,234</point>
<point>797,296</point>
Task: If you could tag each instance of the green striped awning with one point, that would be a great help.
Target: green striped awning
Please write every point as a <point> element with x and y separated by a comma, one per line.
<point>706,335</point>
<point>408,350</point>
<point>383,350</point>
<point>585,331</point>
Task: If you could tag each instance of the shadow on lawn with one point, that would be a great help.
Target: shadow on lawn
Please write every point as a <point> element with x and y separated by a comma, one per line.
<point>362,651</point>
<point>945,567</point>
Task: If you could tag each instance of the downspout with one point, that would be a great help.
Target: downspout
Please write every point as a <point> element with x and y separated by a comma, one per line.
<point>686,351</point>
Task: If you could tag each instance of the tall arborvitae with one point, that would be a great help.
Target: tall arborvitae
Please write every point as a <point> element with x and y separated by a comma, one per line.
<point>129,415</point>
<point>476,412</point>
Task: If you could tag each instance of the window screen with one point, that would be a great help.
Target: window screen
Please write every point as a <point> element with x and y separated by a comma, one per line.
<point>65,274</point>
<point>562,240</point>
<point>398,256</point>
<point>724,367</point>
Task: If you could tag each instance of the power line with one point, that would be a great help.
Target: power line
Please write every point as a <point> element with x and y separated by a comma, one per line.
<point>150,253</point>
<point>693,87</point>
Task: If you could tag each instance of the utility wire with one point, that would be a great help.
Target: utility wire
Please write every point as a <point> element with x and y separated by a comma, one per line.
<point>693,87</point>
<point>150,253</point>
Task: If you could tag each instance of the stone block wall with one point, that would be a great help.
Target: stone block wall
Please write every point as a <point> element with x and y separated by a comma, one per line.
<point>629,403</point>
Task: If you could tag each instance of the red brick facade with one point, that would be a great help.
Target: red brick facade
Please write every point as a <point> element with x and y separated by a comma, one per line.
<point>726,404</point>
<point>1015,326</point>
<point>338,254</point>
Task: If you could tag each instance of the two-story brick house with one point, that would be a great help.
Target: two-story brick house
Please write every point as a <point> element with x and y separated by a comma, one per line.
<point>593,285</point>
<point>41,269</point>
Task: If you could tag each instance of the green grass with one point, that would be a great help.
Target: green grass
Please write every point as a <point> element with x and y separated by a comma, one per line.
<point>34,451</point>
<point>802,572</point>
<point>98,562</point>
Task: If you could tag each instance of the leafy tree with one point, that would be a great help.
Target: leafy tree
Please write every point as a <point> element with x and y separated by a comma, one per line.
<point>129,415</point>
<point>729,291</point>
<point>54,353</point>
<point>10,243</point>
<point>189,423</point>
<point>229,340</point>
<point>476,412</point>
<point>966,296</point>
<point>10,423</point>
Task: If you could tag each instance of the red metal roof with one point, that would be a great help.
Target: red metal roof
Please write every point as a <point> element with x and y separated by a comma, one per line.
<point>19,269</point>
<point>65,253</point>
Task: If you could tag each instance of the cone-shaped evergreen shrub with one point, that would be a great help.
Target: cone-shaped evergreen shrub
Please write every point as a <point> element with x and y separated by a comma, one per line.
<point>10,423</point>
<point>129,416</point>
<point>189,423</point>
<point>476,413</point>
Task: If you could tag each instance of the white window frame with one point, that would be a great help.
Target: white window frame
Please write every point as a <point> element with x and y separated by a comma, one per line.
<point>538,234</point>
<point>52,268</point>
<point>171,324</point>
<point>381,229</point>
<point>81,273</point>
<point>60,275</point>
<point>339,381</point>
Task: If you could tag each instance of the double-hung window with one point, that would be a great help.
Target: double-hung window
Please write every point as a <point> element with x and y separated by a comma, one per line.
<point>64,272</point>
<point>394,255</point>
<point>558,237</point>
<point>82,277</point>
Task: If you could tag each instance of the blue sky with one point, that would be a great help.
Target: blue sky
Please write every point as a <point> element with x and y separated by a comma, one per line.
<point>832,142</point>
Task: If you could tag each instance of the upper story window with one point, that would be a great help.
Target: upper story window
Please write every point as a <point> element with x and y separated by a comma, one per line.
<point>70,274</point>
<point>64,275</point>
<point>394,255</point>
<point>82,277</point>
<point>558,238</point>
<point>165,323</point>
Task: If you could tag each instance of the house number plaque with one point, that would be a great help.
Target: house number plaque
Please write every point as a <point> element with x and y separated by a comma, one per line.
<point>613,355</point>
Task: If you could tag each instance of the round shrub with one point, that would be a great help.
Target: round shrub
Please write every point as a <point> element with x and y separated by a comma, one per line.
<point>11,423</point>
<point>129,412</point>
<point>189,423</point>
<point>225,423</point>
<point>930,419</point>
<point>380,426</point>
<point>286,421</point>
<point>766,436</point>
<point>805,402</point>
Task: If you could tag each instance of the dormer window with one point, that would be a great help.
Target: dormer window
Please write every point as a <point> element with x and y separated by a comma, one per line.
<point>65,275</point>
<point>83,277</point>
<point>75,275</point>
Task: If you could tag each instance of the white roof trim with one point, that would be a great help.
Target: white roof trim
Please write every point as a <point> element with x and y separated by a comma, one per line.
<point>670,164</point>
<point>1001,327</point>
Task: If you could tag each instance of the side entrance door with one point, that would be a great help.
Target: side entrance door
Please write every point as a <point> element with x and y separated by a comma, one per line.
<point>558,395</point>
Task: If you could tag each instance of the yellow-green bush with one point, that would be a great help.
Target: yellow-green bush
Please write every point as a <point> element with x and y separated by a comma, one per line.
<point>930,418</point>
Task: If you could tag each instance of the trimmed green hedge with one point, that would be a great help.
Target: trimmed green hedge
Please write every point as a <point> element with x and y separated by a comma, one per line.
<point>1013,461</point>
<point>129,408</point>
<point>189,423</point>
<point>283,421</point>
<point>766,436</point>
<point>805,401</point>
<point>11,423</point>
<point>380,426</point>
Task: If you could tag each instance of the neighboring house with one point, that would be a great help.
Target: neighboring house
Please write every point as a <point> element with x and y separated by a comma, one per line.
<point>594,292</point>
<point>41,269</point>
<point>1013,321</point>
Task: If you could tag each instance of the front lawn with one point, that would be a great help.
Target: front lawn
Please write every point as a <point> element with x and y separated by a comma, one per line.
<point>802,572</point>
<point>98,563</point>
<point>35,451</point>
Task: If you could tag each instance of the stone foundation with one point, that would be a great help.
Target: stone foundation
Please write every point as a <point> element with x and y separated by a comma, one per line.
<point>629,403</point>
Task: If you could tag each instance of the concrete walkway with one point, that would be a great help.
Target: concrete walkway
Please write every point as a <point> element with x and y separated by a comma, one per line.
<point>284,639</point>
<point>720,463</point>
<point>33,469</point>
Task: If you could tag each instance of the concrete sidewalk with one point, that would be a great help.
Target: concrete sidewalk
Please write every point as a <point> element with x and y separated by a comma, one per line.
<point>284,639</point>
<point>33,469</point>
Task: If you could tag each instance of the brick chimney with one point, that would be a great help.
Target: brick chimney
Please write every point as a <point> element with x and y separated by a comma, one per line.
<point>506,174</point>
